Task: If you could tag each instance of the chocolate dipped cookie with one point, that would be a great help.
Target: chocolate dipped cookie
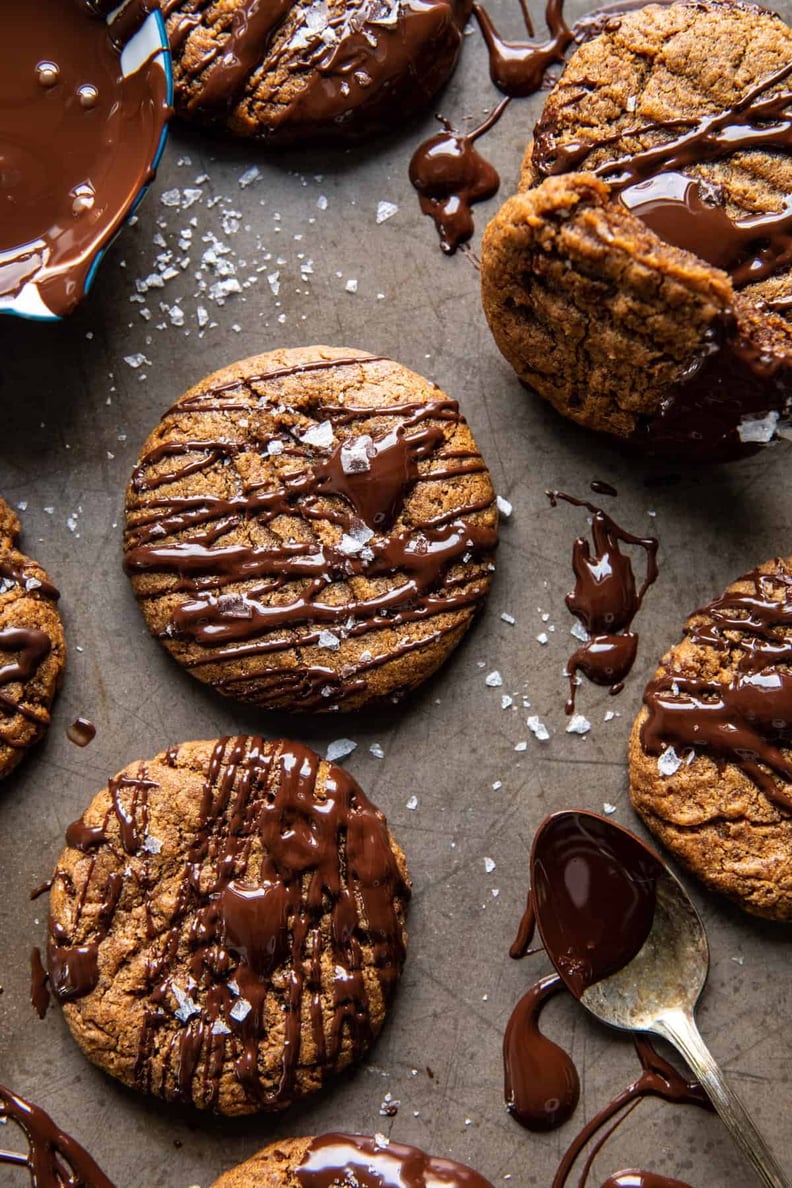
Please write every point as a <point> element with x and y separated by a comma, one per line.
<point>227,924</point>
<point>32,646</point>
<point>294,71</point>
<point>347,1161</point>
<point>711,750</point>
<point>641,281</point>
<point>311,529</point>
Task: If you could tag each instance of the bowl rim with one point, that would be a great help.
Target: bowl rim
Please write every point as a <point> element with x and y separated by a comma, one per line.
<point>162,58</point>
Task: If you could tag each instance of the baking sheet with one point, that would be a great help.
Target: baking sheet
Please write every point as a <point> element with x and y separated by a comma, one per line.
<point>74,415</point>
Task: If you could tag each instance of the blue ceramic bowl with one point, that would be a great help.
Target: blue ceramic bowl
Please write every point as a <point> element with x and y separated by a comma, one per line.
<point>50,245</point>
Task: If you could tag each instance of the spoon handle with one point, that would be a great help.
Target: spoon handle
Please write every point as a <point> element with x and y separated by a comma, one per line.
<point>679,1029</point>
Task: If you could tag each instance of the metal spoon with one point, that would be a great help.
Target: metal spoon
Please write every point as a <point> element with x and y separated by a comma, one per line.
<point>657,989</point>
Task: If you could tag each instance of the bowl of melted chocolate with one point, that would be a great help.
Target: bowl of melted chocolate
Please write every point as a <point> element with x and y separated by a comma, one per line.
<point>85,93</point>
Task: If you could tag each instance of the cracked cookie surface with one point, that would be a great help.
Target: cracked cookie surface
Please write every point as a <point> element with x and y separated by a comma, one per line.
<point>32,646</point>
<point>608,315</point>
<point>293,70</point>
<point>711,750</point>
<point>311,529</point>
<point>227,924</point>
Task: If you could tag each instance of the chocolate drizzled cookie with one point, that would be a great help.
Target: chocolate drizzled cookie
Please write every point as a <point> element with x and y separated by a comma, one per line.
<point>292,70</point>
<point>32,646</point>
<point>711,750</point>
<point>338,1160</point>
<point>641,280</point>
<point>227,924</point>
<point>311,529</point>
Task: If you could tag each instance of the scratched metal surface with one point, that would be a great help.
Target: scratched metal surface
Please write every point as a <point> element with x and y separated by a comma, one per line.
<point>74,415</point>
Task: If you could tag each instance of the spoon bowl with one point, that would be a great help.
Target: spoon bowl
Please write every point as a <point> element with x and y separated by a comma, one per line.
<point>625,938</point>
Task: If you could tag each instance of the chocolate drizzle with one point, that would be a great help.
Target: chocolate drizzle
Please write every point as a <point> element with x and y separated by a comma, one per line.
<point>743,715</point>
<point>346,72</point>
<point>593,894</point>
<point>288,881</point>
<point>518,68</point>
<point>605,600</point>
<point>53,1159</point>
<point>260,601</point>
<point>335,1158</point>
<point>77,139</point>
<point>31,648</point>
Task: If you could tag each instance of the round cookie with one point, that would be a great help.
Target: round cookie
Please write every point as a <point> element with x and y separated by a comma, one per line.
<point>311,529</point>
<point>711,750</point>
<point>227,924</point>
<point>32,647</point>
<point>641,281</point>
<point>342,1161</point>
<point>293,70</point>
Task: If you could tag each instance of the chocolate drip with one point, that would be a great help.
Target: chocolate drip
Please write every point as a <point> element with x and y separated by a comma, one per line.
<point>743,718</point>
<point>78,141</point>
<point>450,176</point>
<point>605,599</point>
<point>371,473</point>
<point>20,572</point>
<point>602,488</point>
<point>518,68</point>
<point>53,1159</point>
<point>39,995</point>
<point>253,25</point>
<point>81,732</point>
<point>681,210</point>
<point>255,931</point>
<point>31,647</point>
<point>593,892</point>
<point>333,1158</point>
<point>541,1084</point>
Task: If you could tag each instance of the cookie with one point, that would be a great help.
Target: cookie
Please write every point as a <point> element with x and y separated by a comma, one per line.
<point>227,924</point>
<point>295,71</point>
<point>32,647</point>
<point>347,1161</point>
<point>711,750</point>
<point>641,281</point>
<point>311,529</point>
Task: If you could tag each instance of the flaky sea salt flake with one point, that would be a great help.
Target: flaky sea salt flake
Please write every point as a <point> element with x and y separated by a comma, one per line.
<point>578,725</point>
<point>504,506</point>
<point>339,749</point>
<point>385,211</point>
<point>537,727</point>
<point>321,435</point>
<point>493,680</point>
<point>669,762</point>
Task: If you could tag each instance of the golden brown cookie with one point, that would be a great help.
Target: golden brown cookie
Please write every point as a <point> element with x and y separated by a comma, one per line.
<point>227,924</point>
<point>641,281</point>
<point>337,1161</point>
<point>711,750</point>
<point>311,529</point>
<point>295,70</point>
<point>32,646</point>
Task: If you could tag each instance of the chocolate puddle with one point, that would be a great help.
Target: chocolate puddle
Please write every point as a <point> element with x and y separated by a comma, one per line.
<point>53,1159</point>
<point>365,1162</point>
<point>593,892</point>
<point>81,732</point>
<point>605,599</point>
<point>77,140</point>
<point>746,718</point>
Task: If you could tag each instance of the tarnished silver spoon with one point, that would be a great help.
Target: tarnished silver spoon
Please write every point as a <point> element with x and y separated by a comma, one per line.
<point>624,936</point>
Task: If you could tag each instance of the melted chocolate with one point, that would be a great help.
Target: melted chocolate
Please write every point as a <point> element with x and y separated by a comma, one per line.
<point>323,852</point>
<point>744,719</point>
<point>76,143</point>
<point>31,648</point>
<point>81,732</point>
<point>354,69</point>
<point>605,599</point>
<point>518,68</point>
<point>39,995</point>
<point>541,1084</point>
<point>593,895</point>
<point>450,175</point>
<point>53,1159</point>
<point>370,1164</point>
<point>253,622</point>
<point>593,887</point>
